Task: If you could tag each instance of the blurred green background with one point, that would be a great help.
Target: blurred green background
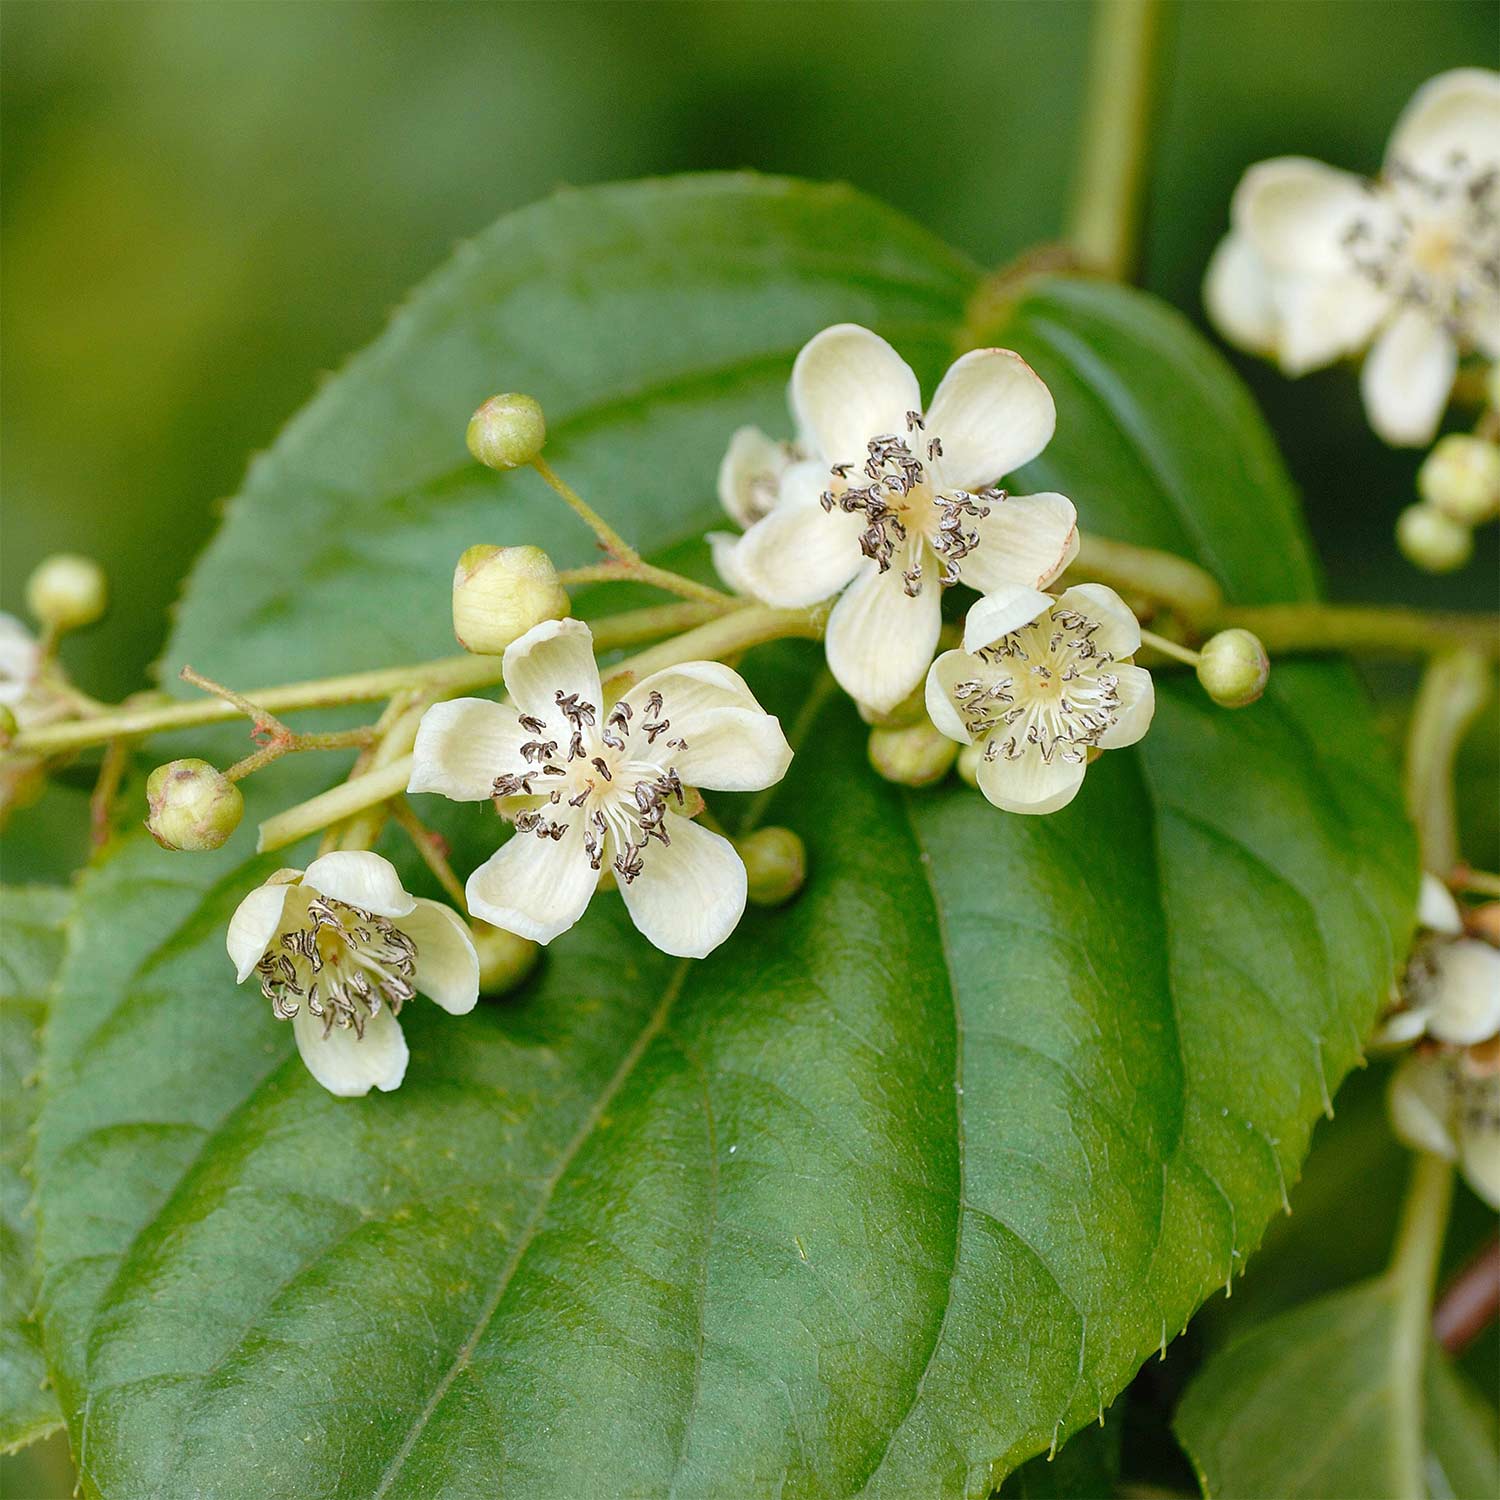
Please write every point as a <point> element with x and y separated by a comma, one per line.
<point>207,205</point>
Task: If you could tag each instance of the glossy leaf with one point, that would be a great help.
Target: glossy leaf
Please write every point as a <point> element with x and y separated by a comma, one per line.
<point>895,1190</point>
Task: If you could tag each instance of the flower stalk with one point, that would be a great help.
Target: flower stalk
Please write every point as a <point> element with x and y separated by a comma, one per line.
<point>1454,691</point>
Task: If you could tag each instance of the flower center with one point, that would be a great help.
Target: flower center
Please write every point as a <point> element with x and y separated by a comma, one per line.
<point>1048,686</point>
<point>902,505</point>
<point>607,777</point>
<point>1440,250</point>
<point>344,963</point>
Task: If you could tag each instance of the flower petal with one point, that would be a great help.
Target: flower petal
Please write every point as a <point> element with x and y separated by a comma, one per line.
<point>1296,213</point>
<point>447,965</point>
<point>1458,111</point>
<point>1407,379</point>
<point>463,745</point>
<point>1238,296</point>
<point>880,640</point>
<point>556,656</point>
<point>750,475</point>
<point>1025,539</point>
<point>253,927</point>
<point>1005,609</point>
<point>1423,1100</point>
<point>1464,1003</point>
<point>350,1065</point>
<point>1137,705</point>
<point>690,893</point>
<point>723,547</point>
<point>689,690</point>
<point>800,553</point>
<point>536,888</point>
<point>942,709</point>
<point>1325,318</point>
<point>360,878</point>
<point>1029,784</point>
<point>992,413</point>
<point>1479,1138</point>
<point>848,386</point>
<point>1437,911</point>
<point>1119,632</point>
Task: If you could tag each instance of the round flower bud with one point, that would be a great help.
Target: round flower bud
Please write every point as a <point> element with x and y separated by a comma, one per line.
<point>192,805</point>
<point>499,593</point>
<point>504,958</point>
<point>507,432</point>
<point>1233,668</point>
<point>968,763</point>
<point>1461,478</point>
<point>67,592</point>
<point>916,755</point>
<point>1434,542</point>
<point>775,865</point>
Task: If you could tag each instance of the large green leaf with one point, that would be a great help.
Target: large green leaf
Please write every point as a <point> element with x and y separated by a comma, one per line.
<point>895,1190</point>
<point>32,919</point>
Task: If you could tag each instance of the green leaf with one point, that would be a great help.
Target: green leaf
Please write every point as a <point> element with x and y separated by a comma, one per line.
<point>898,1188</point>
<point>33,920</point>
<point>1318,1401</point>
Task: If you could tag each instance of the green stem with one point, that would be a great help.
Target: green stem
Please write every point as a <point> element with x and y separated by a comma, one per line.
<point>1374,629</point>
<point>609,538</point>
<point>1455,688</point>
<point>1193,592</point>
<point>1106,204</point>
<point>1169,648</point>
<point>644,572</point>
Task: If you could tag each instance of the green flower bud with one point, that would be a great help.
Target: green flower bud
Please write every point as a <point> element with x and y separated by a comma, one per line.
<point>499,593</point>
<point>1461,478</point>
<point>192,805</point>
<point>775,865</point>
<point>916,755</point>
<point>507,432</point>
<point>968,763</point>
<point>1233,668</point>
<point>504,958</point>
<point>910,710</point>
<point>67,591</point>
<point>1434,542</point>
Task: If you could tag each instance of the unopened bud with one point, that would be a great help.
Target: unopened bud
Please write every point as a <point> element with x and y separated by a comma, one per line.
<point>969,757</point>
<point>507,432</point>
<point>67,592</point>
<point>775,865</point>
<point>1461,478</point>
<point>1233,668</point>
<point>504,958</point>
<point>911,709</point>
<point>1434,542</point>
<point>192,805</point>
<point>916,755</point>
<point>499,593</point>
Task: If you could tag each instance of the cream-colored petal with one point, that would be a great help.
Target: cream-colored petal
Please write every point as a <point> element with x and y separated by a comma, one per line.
<point>1437,911</point>
<point>849,386</point>
<point>1479,1138</point>
<point>554,657</point>
<point>350,1065</point>
<point>1118,632</point>
<point>1029,784</point>
<point>447,964</point>
<point>20,656</point>
<point>536,888</point>
<point>359,877</point>
<point>950,667</point>
<point>1456,112</point>
<point>1025,539</point>
<point>1001,611</point>
<point>729,750</point>
<point>1137,705</point>
<point>724,547</point>
<point>253,927</point>
<point>1297,214</point>
<point>1463,992</point>
<point>1239,297</point>
<point>690,893</point>
<point>463,745</point>
<point>1423,1102</point>
<point>800,554</point>
<point>1407,379</point>
<point>992,413</point>
<point>750,475</point>
<point>687,690</point>
<point>880,640</point>
<point>1325,318</point>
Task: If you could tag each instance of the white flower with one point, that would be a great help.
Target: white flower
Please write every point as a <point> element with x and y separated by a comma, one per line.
<point>896,505</point>
<point>339,948</point>
<point>1320,262</point>
<point>1451,988</point>
<point>604,785</point>
<point>1439,1104</point>
<point>20,663</point>
<point>1042,684</point>
<point>750,479</point>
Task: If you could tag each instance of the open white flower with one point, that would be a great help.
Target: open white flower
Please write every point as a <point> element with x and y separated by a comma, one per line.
<point>750,479</point>
<point>1041,684</point>
<point>1438,1103</point>
<point>339,948</point>
<point>1321,262</point>
<point>896,505</point>
<point>597,786</point>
